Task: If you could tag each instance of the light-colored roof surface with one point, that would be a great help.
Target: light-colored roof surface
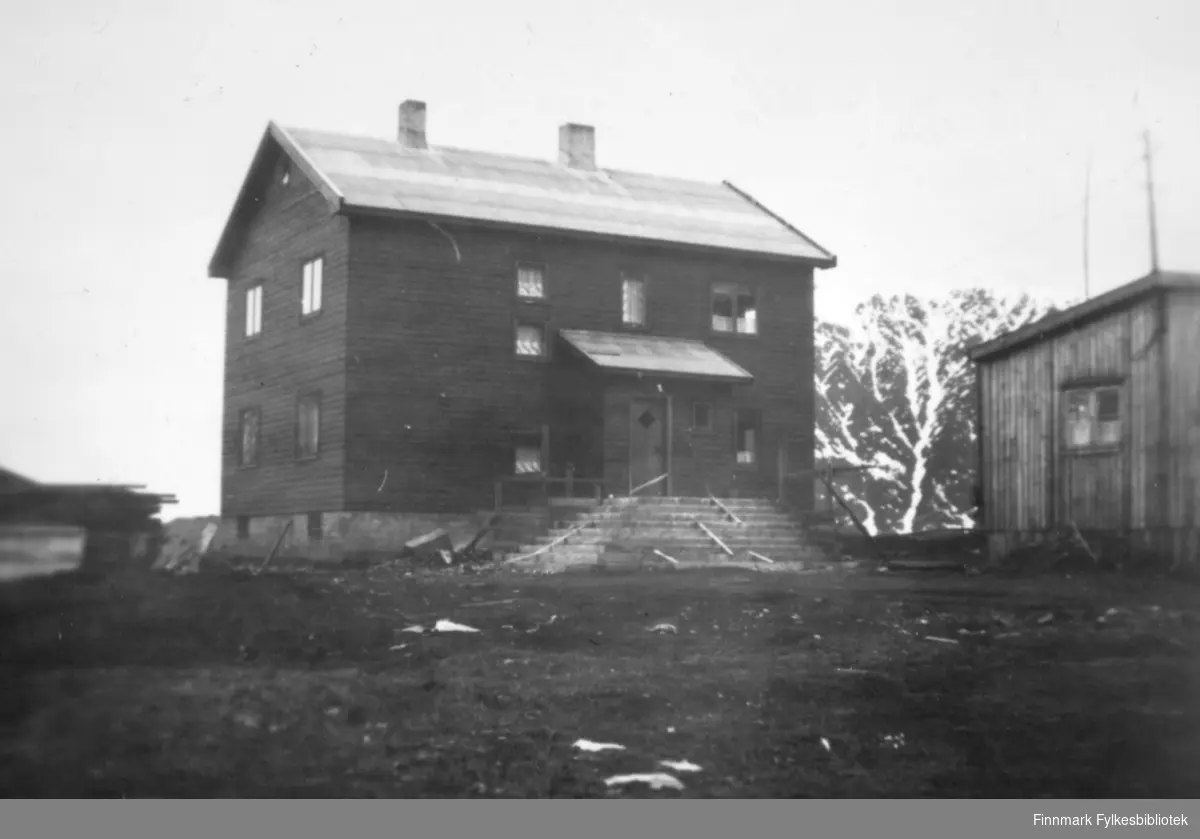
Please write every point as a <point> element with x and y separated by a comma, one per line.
<point>1095,307</point>
<point>629,353</point>
<point>382,175</point>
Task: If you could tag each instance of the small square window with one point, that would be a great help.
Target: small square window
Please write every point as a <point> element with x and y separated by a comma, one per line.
<point>1093,417</point>
<point>248,423</point>
<point>316,531</point>
<point>633,302</point>
<point>254,299</point>
<point>243,527</point>
<point>734,309</point>
<point>312,279</point>
<point>531,341</point>
<point>531,282</point>
<point>308,427</point>
<point>702,419</point>
<point>528,460</point>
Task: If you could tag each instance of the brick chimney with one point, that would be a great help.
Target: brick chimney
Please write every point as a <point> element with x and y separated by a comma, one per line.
<point>577,146</point>
<point>411,134</point>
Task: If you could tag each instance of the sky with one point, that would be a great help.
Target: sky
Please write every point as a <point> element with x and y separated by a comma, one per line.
<point>931,144</point>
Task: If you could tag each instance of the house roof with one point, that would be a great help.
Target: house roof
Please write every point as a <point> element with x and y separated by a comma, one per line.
<point>1088,310</point>
<point>371,175</point>
<point>676,357</point>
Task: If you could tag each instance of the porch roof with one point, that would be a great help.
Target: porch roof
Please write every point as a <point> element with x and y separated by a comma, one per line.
<point>636,353</point>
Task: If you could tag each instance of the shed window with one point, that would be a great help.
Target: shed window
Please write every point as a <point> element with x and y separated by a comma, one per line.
<point>528,460</point>
<point>633,302</point>
<point>702,419</point>
<point>1093,417</point>
<point>734,309</point>
<point>308,426</point>
<point>531,282</point>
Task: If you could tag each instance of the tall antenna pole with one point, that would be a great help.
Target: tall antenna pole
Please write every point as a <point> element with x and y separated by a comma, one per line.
<point>1150,204</point>
<point>1087,206</point>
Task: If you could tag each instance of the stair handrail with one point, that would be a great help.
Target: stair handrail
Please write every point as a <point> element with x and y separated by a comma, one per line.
<point>726,510</point>
<point>559,540</point>
<point>647,484</point>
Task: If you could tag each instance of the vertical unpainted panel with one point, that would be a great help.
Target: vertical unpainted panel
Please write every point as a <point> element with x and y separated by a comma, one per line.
<point>1183,364</point>
<point>1144,414</point>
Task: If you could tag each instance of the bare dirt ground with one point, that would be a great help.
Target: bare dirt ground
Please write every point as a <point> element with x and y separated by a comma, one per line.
<point>776,685</point>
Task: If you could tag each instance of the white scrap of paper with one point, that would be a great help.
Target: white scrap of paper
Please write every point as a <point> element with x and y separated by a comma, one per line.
<point>592,746</point>
<point>451,626</point>
<point>680,765</point>
<point>417,628</point>
<point>656,780</point>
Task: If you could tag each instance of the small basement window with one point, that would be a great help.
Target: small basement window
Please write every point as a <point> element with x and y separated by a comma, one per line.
<point>633,301</point>
<point>312,280</point>
<point>315,530</point>
<point>531,282</point>
<point>243,527</point>
<point>734,309</point>
<point>531,340</point>
<point>248,424</point>
<point>308,426</point>
<point>702,419</point>
<point>746,426</point>
<point>254,300</point>
<point>1093,417</point>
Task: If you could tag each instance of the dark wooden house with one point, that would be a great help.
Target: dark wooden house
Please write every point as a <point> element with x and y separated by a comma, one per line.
<point>412,330</point>
<point>1090,418</point>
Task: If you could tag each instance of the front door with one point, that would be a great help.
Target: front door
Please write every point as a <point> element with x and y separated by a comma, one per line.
<point>647,444</point>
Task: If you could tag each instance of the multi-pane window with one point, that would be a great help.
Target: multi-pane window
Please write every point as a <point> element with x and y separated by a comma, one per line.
<point>248,423</point>
<point>746,433</point>
<point>734,309</point>
<point>1093,417</point>
<point>531,340</point>
<point>308,426</point>
<point>311,286</point>
<point>702,419</point>
<point>254,299</point>
<point>633,301</point>
<point>531,282</point>
<point>528,460</point>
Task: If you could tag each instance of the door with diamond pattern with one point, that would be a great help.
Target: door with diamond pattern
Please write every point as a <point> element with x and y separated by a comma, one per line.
<point>647,444</point>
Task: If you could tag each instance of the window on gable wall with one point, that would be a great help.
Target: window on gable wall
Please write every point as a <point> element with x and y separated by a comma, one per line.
<point>312,277</point>
<point>531,282</point>
<point>734,309</point>
<point>1093,417</point>
<point>254,298</point>
<point>248,438</point>
<point>633,301</point>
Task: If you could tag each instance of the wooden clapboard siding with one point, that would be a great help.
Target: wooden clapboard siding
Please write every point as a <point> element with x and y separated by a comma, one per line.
<point>1183,380</point>
<point>291,356</point>
<point>435,392</point>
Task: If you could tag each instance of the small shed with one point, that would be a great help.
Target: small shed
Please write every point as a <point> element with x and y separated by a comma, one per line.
<point>1090,417</point>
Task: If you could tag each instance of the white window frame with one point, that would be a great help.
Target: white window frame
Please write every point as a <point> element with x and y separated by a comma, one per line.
<point>312,282</point>
<point>747,456</point>
<point>1086,429</point>
<point>732,324</point>
<point>254,301</point>
<point>633,306</point>
<point>527,460</point>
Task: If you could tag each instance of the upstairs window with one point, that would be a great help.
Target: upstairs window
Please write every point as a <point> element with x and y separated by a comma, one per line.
<point>308,426</point>
<point>310,286</point>
<point>746,427</point>
<point>531,282</point>
<point>254,299</point>
<point>1093,417</point>
<point>633,301</point>
<point>734,309</point>
<point>531,340</point>
<point>248,423</point>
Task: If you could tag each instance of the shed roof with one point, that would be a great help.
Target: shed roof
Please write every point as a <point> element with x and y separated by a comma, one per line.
<point>366,174</point>
<point>629,353</point>
<point>1080,313</point>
